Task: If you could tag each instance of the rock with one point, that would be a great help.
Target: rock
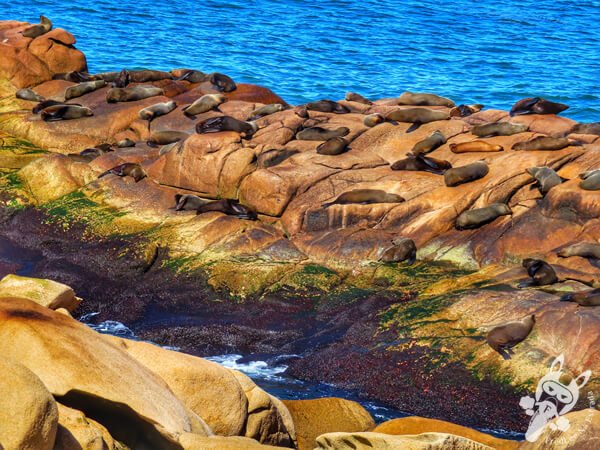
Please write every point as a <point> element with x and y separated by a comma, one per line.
<point>191,441</point>
<point>313,418</point>
<point>418,425</point>
<point>425,441</point>
<point>76,431</point>
<point>48,293</point>
<point>28,412</point>
<point>85,371</point>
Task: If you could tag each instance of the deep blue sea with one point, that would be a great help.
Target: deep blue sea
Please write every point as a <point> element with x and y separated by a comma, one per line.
<point>471,51</point>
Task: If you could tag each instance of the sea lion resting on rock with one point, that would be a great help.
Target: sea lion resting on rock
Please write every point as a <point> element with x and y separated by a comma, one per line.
<point>546,178</point>
<point>47,103</point>
<point>83,88</point>
<point>540,271</point>
<point>203,104</point>
<point>166,137</point>
<point>158,109</point>
<point>74,76</point>
<point>188,202</point>
<point>65,112</point>
<point>229,207</point>
<point>536,105</point>
<point>365,197</point>
<point>128,169</point>
<point>587,128</point>
<point>481,216</point>
<point>475,146</point>
<point>189,75</point>
<point>429,144</point>
<point>274,157</point>
<point>418,99</point>
<point>417,115</point>
<point>327,106</point>
<point>402,249</point>
<point>371,120</point>
<point>222,82</point>
<point>587,298</point>
<point>115,95</point>
<point>29,95</point>
<point>591,180</point>
<point>123,143</point>
<point>96,151</point>
<point>354,97</point>
<point>465,110</point>
<point>144,76</point>
<point>466,174</point>
<point>333,146</point>
<point>583,249</point>
<point>422,163</point>
<point>227,123</point>
<point>265,111</point>
<point>321,134</point>
<point>504,337</point>
<point>34,31</point>
<point>542,143</point>
<point>499,129</point>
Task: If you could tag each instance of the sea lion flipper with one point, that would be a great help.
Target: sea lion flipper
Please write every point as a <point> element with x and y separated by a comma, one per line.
<point>413,127</point>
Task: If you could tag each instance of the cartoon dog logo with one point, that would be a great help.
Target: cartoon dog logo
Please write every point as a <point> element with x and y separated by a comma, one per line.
<point>552,399</point>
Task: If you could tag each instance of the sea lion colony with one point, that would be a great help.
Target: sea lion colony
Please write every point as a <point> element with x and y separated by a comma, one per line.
<point>411,108</point>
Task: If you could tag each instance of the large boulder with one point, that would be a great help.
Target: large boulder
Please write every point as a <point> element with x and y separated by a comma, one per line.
<point>425,441</point>
<point>48,293</point>
<point>78,432</point>
<point>191,441</point>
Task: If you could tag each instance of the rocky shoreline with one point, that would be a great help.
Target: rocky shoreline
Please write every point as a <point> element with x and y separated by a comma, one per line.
<point>326,282</point>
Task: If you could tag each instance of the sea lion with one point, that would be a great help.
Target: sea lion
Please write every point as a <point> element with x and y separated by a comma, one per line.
<point>203,104</point>
<point>123,143</point>
<point>131,94</point>
<point>417,115</point>
<point>43,27</point>
<point>65,112</point>
<point>476,218</point>
<point>109,77</point>
<point>333,146</point>
<point>587,298</point>
<point>144,76</point>
<point>158,109</point>
<point>189,75</point>
<point>83,88</point>
<point>29,95</point>
<point>465,110</point>
<point>47,103</point>
<point>536,105</point>
<point>466,174</point>
<point>546,178</point>
<point>499,129</point>
<point>227,123</point>
<point>127,169</point>
<point>402,249</point>
<point>274,157</point>
<point>122,80</point>
<point>591,180</point>
<point>371,120</point>
<point>354,97</point>
<point>365,197</point>
<point>188,202</point>
<point>168,147</point>
<point>321,134</point>
<point>504,337</point>
<point>74,77</point>
<point>419,99</point>
<point>542,143</point>
<point>475,146</point>
<point>327,106</point>
<point>429,144</point>
<point>94,152</point>
<point>587,128</point>
<point>301,111</point>
<point>583,249</point>
<point>422,163</point>
<point>265,111</point>
<point>229,207</point>
<point>166,137</point>
<point>222,82</point>
<point>540,271</point>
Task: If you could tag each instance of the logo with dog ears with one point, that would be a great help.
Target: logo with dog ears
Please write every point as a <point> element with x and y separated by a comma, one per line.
<point>552,399</point>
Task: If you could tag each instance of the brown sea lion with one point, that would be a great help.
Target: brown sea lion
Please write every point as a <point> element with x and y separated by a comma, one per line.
<point>584,249</point>
<point>466,174</point>
<point>475,146</point>
<point>229,207</point>
<point>43,27</point>
<point>132,94</point>
<point>587,128</point>
<point>74,77</point>
<point>402,249</point>
<point>587,298</point>
<point>83,88</point>
<point>222,82</point>
<point>354,97</point>
<point>29,95</point>
<point>546,178</point>
<point>321,134</point>
<point>188,202</point>
<point>327,106</point>
<point>47,103</point>
<point>145,76</point>
<point>122,80</point>
<point>542,143</point>
<point>540,271</point>
<point>94,152</point>
<point>476,218</point>
<point>123,143</point>
<point>417,115</point>
<point>365,197</point>
<point>265,111</point>
<point>499,129</point>
<point>371,120</point>
<point>106,76</point>
<point>158,109</point>
<point>465,110</point>
<point>65,112</point>
<point>227,123</point>
<point>504,337</point>
<point>301,111</point>
<point>422,163</point>
<point>273,157</point>
<point>166,137</point>
<point>591,180</point>
<point>536,105</point>
<point>204,104</point>
<point>189,75</point>
<point>429,144</point>
<point>333,146</point>
<point>419,99</point>
<point>128,169</point>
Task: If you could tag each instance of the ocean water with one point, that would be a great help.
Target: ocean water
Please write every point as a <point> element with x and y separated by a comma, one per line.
<point>471,51</point>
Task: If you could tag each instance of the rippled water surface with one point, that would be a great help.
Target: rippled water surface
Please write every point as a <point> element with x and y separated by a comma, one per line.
<point>471,51</point>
